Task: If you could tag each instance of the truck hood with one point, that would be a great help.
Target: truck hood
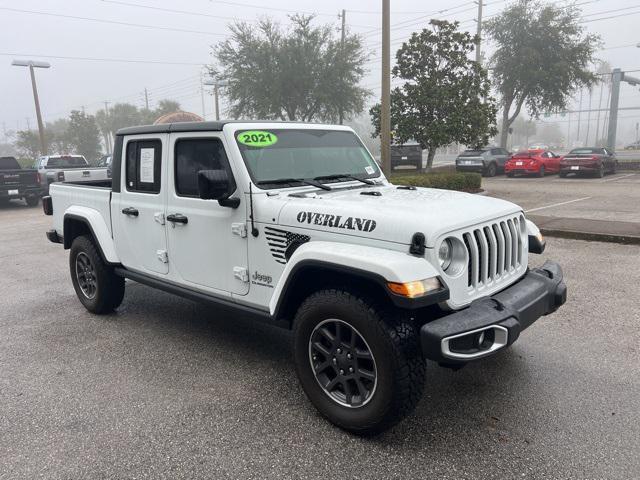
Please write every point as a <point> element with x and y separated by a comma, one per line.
<point>391,214</point>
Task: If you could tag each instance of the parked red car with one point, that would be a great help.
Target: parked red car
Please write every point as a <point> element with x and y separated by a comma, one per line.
<point>532,162</point>
<point>594,161</point>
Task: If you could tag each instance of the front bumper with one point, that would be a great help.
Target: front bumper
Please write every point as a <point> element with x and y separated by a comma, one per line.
<point>492,323</point>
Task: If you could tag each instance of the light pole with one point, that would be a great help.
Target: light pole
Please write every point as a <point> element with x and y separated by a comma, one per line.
<point>216,85</point>
<point>385,104</point>
<point>33,64</point>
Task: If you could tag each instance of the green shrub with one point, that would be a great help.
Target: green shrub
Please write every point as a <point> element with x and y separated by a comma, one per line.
<point>464,182</point>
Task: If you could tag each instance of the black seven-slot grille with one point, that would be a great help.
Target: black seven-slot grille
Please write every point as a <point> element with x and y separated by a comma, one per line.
<point>493,251</point>
<point>282,243</point>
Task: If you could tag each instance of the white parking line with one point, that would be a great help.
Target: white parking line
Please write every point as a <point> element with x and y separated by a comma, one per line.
<point>557,204</point>
<point>617,178</point>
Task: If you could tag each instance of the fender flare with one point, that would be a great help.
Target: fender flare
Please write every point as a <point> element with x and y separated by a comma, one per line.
<point>370,263</point>
<point>96,224</point>
<point>536,242</point>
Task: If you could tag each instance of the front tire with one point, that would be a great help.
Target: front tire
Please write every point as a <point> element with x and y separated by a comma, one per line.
<point>359,363</point>
<point>98,288</point>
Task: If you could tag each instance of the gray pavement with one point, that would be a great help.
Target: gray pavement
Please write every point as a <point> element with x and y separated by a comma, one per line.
<point>166,388</point>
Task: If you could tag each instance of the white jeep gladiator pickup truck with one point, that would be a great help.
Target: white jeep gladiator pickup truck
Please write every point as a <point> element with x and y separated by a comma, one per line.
<point>295,224</point>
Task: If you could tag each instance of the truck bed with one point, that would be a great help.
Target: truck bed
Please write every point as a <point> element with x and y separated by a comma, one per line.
<point>68,197</point>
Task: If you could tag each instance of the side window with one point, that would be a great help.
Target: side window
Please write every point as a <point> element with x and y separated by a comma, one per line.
<point>193,155</point>
<point>144,162</point>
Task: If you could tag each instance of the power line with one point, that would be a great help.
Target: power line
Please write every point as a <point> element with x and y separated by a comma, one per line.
<point>113,22</point>
<point>169,10</point>
<point>97,59</point>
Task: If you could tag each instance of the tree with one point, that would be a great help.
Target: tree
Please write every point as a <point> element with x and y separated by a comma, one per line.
<point>28,142</point>
<point>542,57</point>
<point>84,135</point>
<point>303,73</point>
<point>445,96</point>
<point>60,139</point>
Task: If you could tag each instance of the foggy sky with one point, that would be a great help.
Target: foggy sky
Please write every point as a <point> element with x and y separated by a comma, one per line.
<point>71,84</point>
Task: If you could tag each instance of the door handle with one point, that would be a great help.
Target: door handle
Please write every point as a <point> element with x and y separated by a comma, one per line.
<point>130,211</point>
<point>177,218</point>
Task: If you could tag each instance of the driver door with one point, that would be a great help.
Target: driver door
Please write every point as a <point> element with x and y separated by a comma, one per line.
<point>205,250</point>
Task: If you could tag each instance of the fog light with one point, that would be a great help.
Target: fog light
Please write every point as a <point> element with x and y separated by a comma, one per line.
<point>415,289</point>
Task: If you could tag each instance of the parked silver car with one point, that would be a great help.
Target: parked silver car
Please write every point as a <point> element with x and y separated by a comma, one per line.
<point>488,161</point>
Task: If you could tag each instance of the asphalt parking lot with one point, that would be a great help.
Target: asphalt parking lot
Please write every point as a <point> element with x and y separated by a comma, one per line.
<point>609,205</point>
<point>166,388</point>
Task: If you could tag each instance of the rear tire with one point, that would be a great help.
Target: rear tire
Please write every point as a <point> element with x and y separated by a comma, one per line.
<point>376,389</point>
<point>491,170</point>
<point>511,174</point>
<point>32,201</point>
<point>98,288</point>
<point>541,171</point>
<point>600,172</point>
<point>563,175</point>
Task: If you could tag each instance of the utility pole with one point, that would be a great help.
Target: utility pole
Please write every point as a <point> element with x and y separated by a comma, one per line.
<point>107,134</point>
<point>341,113</point>
<point>579,117</point>
<point>616,77</point>
<point>204,115</point>
<point>216,101</point>
<point>479,33</point>
<point>385,104</point>
<point>589,117</point>
<point>598,116</point>
<point>146,98</point>
<point>32,64</point>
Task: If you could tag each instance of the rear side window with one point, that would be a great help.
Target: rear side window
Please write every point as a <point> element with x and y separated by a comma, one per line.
<point>194,155</point>
<point>144,161</point>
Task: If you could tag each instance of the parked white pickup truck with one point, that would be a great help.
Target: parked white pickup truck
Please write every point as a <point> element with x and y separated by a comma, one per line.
<point>295,224</point>
<point>71,168</point>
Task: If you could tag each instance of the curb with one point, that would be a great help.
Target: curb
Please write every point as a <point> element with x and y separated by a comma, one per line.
<point>591,236</point>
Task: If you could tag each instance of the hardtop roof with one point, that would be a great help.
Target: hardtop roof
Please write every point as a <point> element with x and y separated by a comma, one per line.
<point>216,126</point>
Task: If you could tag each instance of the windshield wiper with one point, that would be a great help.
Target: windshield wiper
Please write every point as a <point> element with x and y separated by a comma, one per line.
<point>281,181</point>
<point>338,176</point>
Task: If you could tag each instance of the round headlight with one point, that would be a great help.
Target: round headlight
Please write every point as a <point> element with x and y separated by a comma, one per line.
<point>444,254</point>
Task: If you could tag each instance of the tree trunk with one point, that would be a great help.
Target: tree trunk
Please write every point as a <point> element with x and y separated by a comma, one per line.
<point>504,134</point>
<point>430,155</point>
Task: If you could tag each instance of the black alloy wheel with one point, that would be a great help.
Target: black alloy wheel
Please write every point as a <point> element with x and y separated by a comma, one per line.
<point>343,363</point>
<point>86,275</point>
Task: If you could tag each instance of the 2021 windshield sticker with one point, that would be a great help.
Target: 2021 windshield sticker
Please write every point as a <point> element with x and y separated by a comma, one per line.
<point>257,138</point>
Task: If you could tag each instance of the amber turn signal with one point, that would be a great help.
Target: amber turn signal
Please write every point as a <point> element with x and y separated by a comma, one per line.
<point>415,289</point>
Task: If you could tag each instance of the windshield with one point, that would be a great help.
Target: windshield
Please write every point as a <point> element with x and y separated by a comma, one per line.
<point>586,151</point>
<point>66,162</point>
<point>304,154</point>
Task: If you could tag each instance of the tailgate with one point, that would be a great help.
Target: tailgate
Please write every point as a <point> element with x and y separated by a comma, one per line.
<point>85,174</point>
<point>17,179</point>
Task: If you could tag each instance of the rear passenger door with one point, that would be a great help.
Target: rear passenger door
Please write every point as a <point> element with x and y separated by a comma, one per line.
<point>138,209</point>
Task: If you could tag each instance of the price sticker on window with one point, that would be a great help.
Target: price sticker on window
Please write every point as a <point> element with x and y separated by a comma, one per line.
<point>257,138</point>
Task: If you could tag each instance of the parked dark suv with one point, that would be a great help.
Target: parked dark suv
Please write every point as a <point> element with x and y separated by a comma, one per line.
<point>488,161</point>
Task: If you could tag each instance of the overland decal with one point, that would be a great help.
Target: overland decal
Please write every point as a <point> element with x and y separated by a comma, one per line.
<point>337,221</point>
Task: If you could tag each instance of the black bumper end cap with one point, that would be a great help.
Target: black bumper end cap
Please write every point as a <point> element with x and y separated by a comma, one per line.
<point>535,245</point>
<point>53,236</point>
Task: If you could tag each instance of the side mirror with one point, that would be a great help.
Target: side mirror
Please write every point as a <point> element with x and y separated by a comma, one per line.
<point>216,185</point>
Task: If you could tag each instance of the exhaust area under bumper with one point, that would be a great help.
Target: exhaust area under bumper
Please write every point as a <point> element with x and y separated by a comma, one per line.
<point>492,323</point>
